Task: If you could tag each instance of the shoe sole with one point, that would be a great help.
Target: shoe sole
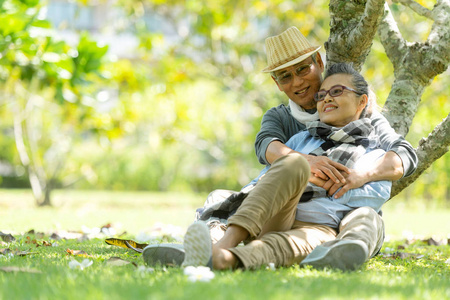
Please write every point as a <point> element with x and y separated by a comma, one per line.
<point>164,254</point>
<point>197,245</point>
<point>347,256</point>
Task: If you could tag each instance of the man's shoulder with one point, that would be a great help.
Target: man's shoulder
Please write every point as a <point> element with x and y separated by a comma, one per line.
<point>281,108</point>
<point>281,111</point>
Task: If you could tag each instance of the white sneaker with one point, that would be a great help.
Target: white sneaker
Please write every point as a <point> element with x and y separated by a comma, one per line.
<point>339,254</point>
<point>197,246</point>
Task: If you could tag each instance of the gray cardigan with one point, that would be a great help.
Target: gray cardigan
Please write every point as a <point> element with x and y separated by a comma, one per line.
<point>279,125</point>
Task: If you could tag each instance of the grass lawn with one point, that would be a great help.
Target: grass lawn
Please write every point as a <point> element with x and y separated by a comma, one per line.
<point>44,272</point>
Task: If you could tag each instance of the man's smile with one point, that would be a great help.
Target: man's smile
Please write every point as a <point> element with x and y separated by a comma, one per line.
<point>301,92</point>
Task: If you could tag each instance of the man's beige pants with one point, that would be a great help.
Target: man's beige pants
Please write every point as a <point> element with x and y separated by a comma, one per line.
<point>268,214</point>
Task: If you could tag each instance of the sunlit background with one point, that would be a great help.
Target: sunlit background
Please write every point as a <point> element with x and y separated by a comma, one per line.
<point>163,95</point>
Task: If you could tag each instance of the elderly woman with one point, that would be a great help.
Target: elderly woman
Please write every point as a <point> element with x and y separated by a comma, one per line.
<point>284,217</point>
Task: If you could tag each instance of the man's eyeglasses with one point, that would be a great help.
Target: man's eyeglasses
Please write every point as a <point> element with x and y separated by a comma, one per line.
<point>335,91</point>
<point>300,71</point>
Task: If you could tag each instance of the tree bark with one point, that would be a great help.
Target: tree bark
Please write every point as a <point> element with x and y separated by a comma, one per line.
<point>415,65</point>
<point>353,25</point>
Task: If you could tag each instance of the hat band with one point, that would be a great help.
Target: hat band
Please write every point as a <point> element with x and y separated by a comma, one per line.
<point>292,57</point>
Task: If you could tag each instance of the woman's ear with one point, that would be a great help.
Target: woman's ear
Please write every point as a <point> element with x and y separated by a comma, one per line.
<point>363,102</point>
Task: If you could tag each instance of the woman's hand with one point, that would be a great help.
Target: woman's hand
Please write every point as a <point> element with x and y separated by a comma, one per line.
<point>353,179</point>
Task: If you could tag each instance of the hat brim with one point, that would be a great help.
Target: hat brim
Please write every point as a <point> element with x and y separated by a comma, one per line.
<point>292,62</point>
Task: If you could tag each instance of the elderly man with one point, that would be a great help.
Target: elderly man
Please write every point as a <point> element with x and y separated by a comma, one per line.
<point>296,67</point>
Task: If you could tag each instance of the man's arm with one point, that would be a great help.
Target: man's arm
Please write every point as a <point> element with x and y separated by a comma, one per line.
<point>388,167</point>
<point>392,141</point>
<point>400,160</point>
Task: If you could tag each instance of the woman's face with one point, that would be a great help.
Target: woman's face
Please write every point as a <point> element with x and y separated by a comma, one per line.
<point>339,110</point>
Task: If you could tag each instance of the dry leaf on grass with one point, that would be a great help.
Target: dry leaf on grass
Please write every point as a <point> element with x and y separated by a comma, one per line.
<point>434,242</point>
<point>77,253</point>
<point>402,255</point>
<point>7,251</point>
<point>118,262</point>
<point>7,237</point>
<point>129,244</point>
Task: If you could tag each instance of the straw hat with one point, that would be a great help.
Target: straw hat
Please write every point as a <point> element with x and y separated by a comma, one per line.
<point>287,49</point>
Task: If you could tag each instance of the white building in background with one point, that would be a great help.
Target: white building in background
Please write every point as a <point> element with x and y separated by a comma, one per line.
<point>106,23</point>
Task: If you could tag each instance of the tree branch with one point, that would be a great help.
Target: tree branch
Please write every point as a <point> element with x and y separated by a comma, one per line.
<point>391,38</point>
<point>429,150</point>
<point>353,25</point>
<point>441,27</point>
<point>419,9</point>
<point>368,23</point>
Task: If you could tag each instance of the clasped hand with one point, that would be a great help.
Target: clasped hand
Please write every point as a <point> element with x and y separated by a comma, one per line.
<point>331,176</point>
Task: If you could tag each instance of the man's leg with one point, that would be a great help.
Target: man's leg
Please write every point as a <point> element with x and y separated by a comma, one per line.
<point>361,235</point>
<point>283,248</point>
<point>270,206</point>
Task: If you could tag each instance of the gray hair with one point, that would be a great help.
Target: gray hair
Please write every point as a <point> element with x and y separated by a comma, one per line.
<point>358,81</point>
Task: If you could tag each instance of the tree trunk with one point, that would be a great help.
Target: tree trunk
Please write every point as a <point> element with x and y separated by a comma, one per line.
<point>353,25</point>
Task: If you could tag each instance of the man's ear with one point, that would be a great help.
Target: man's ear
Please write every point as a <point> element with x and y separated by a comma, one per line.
<point>320,62</point>
<point>278,85</point>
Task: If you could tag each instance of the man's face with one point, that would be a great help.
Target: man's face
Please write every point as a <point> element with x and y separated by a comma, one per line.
<point>301,89</point>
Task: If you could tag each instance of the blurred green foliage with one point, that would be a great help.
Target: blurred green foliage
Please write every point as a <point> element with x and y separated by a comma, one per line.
<point>182,112</point>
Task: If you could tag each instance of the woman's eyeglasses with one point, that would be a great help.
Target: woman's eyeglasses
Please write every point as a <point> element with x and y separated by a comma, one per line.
<point>335,91</point>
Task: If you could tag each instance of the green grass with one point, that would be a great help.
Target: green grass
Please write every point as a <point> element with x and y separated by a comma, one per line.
<point>423,277</point>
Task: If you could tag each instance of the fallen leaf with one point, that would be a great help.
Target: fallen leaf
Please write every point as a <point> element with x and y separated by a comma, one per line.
<point>37,234</point>
<point>46,244</point>
<point>78,253</point>
<point>107,226</point>
<point>19,269</point>
<point>7,237</point>
<point>118,262</point>
<point>55,237</point>
<point>129,244</point>
<point>5,251</point>
<point>433,242</point>
<point>402,255</point>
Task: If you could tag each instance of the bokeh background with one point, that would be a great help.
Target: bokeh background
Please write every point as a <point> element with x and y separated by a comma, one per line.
<point>130,95</point>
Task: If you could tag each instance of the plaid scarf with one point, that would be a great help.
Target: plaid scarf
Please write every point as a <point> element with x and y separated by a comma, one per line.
<point>343,145</point>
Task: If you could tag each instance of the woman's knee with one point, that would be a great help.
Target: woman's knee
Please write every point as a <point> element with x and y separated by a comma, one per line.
<point>361,214</point>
